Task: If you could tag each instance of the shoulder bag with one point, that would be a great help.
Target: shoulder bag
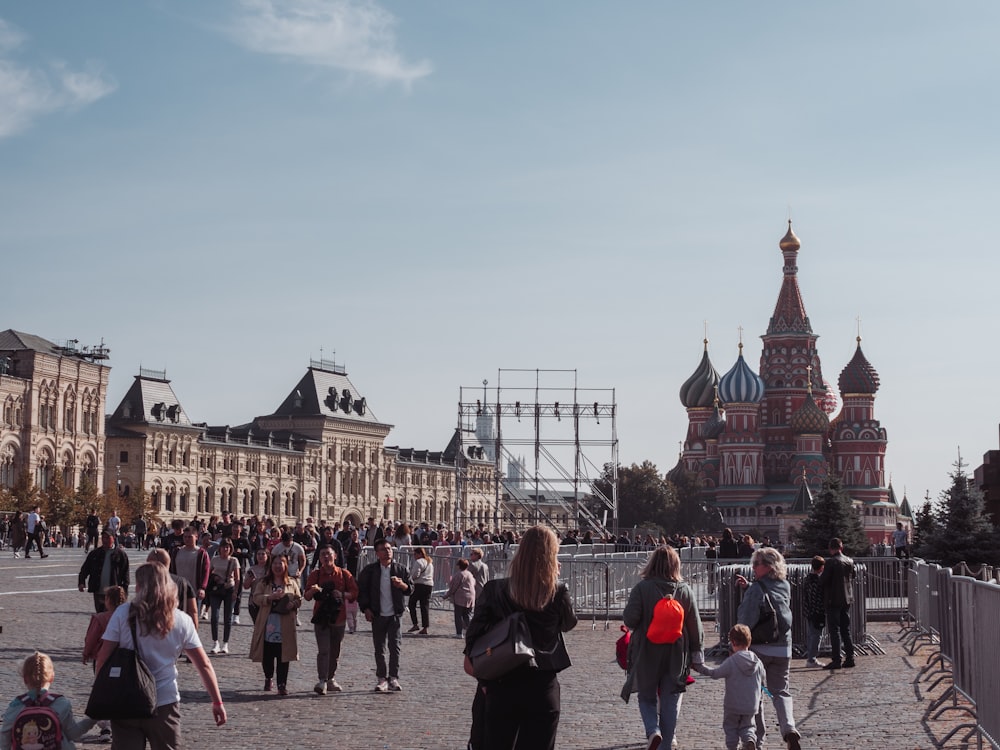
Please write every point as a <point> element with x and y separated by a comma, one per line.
<point>503,648</point>
<point>124,688</point>
<point>766,630</point>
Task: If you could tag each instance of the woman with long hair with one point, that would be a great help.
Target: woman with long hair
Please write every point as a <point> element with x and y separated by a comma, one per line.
<point>770,578</point>
<point>274,637</point>
<point>659,671</point>
<point>225,572</point>
<point>254,575</point>
<point>422,576</point>
<point>521,710</point>
<point>163,632</point>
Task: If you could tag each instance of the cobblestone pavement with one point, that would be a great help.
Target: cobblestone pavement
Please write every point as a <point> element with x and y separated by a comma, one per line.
<point>880,704</point>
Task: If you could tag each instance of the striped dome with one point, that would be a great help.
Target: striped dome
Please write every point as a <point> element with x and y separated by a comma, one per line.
<point>699,389</point>
<point>741,385</point>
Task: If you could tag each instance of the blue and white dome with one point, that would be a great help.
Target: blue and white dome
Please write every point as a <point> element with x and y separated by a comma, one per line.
<point>741,385</point>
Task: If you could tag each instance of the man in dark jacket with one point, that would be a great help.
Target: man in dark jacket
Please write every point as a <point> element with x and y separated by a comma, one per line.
<point>105,566</point>
<point>837,582</point>
<point>382,586</point>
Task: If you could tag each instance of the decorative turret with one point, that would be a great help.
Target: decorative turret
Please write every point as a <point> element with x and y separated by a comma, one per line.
<point>859,376</point>
<point>809,419</point>
<point>790,312</point>
<point>699,389</point>
<point>741,384</point>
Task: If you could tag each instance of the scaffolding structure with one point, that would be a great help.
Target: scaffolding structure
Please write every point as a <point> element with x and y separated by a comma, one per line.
<point>562,424</point>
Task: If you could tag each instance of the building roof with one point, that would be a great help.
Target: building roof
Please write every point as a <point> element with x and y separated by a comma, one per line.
<point>859,376</point>
<point>16,341</point>
<point>326,393</point>
<point>790,311</point>
<point>151,400</point>
<point>741,385</point>
<point>699,389</point>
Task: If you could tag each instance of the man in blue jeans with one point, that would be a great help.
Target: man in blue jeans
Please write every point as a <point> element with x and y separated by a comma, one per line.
<point>381,588</point>
<point>837,582</point>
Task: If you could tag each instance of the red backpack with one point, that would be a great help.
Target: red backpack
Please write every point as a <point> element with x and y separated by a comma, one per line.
<point>37,725</point>
<point>667,624</point>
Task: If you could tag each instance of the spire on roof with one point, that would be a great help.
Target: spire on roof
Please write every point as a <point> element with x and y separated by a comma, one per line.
<point>789,312</point>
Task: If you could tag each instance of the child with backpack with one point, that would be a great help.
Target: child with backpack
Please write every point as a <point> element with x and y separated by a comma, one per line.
<point>40,719</point>
<point>744,675</point>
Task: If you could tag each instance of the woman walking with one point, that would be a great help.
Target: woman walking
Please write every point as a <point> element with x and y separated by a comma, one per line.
<point>221,593</point>
<point>659,671</point>
<point>770,576</point>
<point>462,592</point>
<point>330,588</point>
<point>522,708</point>
<point>422,576</point>
<point>274,638</point>
<point>163,632</point>
<point>254,575</point>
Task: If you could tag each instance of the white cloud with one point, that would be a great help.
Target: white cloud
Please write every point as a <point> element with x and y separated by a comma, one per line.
<point>27,93</point>
<point>351,35</point>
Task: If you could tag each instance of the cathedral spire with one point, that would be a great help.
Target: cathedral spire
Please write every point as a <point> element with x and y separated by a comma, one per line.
<point>790,312</point>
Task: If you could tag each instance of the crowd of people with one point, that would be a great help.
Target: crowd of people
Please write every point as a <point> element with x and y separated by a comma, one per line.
<point>200,569</point>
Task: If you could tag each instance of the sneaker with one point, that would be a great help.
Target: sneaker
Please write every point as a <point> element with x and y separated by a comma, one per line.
<point>215,648</point>
<point>333,686</point>
<point>423,632</point>
<point>814,663</point>
<point>849,664</point>
<point>320,687</point>
<point>44,556</point>
<point>382,687</point>
<point>204,616</point>
<point>105,735</point>
<point>458,635</point>
<point>414,629</point>
<point>792,740</point>
<point>236,620</point>
<point>268,685</point>
<point>834,665</point>
<point>297,623</point>
<point>225,647</point>
<point>394,685</point>
<point>654,741</point>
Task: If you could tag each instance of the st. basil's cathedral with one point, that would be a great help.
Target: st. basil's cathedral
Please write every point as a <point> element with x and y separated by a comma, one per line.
<point>761,444</point>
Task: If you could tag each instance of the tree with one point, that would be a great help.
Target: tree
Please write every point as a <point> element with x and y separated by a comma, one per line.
<point>58,506</point>
<point>833,515</point>
<point>24,493</point>
<point>963,532</point>
<point>644,497</point>
<point>925,526</point>
<point>690,514</point>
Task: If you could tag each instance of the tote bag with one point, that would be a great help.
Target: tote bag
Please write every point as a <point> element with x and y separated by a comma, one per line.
<point>124,688</point>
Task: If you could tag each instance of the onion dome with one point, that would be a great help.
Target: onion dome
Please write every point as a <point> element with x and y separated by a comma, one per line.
<point>830,402</point>
<point>716,423</point>
<point>676,473</point>
<point>859,376</point>
<point>741,385</point>
<point>809,419</point>
<point>699,389</point>
<point>789,241</point>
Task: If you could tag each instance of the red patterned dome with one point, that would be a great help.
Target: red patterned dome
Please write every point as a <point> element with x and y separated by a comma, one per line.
<point>859,376</point>
<point>809,419</point>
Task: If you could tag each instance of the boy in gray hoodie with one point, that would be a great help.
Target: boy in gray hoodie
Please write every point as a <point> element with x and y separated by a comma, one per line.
<point>744,675</point>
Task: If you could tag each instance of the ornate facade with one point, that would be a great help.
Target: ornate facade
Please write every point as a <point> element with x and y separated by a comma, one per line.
<point>321,453</point>
<point>52,399</point>
<point>755,438</point>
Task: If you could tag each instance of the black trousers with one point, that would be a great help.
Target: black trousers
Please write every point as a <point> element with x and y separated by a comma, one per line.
<point>522,711</point>
<point>838,621</point>
<point>421,595</point>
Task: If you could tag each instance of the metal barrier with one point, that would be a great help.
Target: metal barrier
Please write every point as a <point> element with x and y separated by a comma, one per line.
<point>730,596</point>
<point>958,614</point>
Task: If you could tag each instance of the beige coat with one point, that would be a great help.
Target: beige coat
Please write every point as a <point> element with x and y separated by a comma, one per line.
<point>289,638</point>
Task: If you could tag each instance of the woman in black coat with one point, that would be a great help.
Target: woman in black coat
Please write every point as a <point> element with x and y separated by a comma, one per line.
<point>522,707</point>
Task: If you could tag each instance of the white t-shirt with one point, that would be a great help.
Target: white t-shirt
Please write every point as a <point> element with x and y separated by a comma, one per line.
<point>159,654</point>
<point>295,553</point>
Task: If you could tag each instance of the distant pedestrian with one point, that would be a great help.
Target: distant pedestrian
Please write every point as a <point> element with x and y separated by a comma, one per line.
<point>480,572</point>
<point>837,582</point>
<point>901,541</point>
<point>814,611</point>
<point>422,575</point>
<point>18,535</point>
<point>34,528</point>
<point>462,592</point>
<point>382,586</point>
<point>105,566</point>
<point>93,528</point>
<point>744,676</point>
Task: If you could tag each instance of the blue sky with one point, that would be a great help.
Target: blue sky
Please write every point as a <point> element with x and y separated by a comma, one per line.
<point>436,191</point>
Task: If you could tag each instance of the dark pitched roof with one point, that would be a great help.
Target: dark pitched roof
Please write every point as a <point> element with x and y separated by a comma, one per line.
<point>470,443</point>
<point>327,394</point>
<point>11,340</point>
<point>151,401</point>
<point>803,502</point>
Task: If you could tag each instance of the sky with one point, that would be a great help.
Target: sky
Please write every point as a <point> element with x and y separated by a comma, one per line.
<point>437,193</point>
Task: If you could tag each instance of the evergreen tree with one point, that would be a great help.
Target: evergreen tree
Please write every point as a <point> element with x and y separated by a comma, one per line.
<point>925,526</point>
<point>964,533</point>
<point>833,515</point>
<point>689,515</point>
